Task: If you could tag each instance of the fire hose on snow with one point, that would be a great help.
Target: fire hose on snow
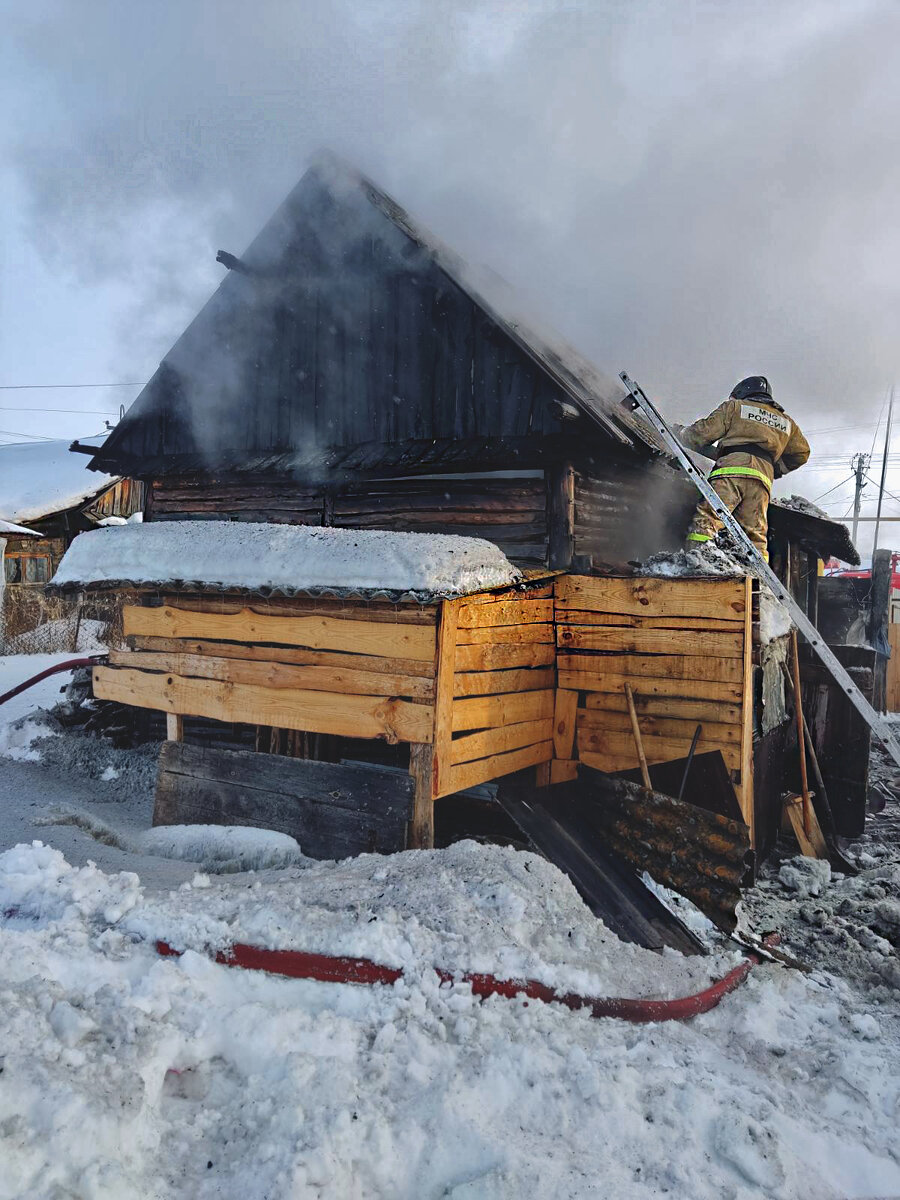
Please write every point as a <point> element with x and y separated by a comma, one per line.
<point>69,665</point>
<point>326,968</point>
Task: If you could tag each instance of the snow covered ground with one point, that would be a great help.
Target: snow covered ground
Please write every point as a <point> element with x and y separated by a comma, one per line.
<point>123,1074</point>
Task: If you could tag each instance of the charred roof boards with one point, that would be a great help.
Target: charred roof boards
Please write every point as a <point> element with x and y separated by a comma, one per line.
<point>346,324</point>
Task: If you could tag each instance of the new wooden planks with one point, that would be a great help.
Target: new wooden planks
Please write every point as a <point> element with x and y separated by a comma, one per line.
<point>563,770</point>
<point>574,616</point>
<point>489,712</point>
<point>497,741</point>
<point>443,710</point>
<point>486,683</point>
<point>565,712</point>
<point>654,666</point>
<point>498,658</point>
<point>505,612</point>
<point>278,675</point>
<point>595,720</point>
<point>281,606</point>
<point>688,689</point>
<point>507,635</point>
<point>285,654</point>
<point>698,711</point>
<point>688,642</point>
<point>646,596</point>
<point>316,633</point>
<point>282,708</point>
<point>615,745</point>
<point>483,770</point>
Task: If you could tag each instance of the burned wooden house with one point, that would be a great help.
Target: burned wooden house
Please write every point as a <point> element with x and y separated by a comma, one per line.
<point>351,374</point>
<point>46,499</point>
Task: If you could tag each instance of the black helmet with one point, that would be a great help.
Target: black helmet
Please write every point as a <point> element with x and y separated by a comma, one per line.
<point>753,385</point>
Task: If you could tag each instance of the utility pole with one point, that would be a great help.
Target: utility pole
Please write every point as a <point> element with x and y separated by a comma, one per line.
<point>859,463</point>
<point>887,446</point>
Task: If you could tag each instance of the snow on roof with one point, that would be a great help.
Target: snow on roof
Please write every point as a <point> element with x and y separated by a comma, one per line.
<point>41,478</point>
<point>287,558</point>
<point>9,527</point>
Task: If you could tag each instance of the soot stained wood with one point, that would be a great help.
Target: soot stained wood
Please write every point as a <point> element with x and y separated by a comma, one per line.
<point>332,810</point>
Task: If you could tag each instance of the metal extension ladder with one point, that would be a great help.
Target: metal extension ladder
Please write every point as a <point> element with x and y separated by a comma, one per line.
<point>879,726</point>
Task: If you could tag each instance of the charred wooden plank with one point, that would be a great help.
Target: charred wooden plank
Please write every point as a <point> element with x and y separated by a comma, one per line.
<point>332,810</point>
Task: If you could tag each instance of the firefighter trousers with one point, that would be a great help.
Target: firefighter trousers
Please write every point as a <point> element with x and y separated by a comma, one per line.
<point>747,499</point>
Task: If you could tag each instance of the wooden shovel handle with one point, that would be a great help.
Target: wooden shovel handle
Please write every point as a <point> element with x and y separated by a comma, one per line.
<point>638,740</point>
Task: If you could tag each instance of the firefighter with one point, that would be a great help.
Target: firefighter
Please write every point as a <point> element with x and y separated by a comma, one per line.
<point>753,442</point>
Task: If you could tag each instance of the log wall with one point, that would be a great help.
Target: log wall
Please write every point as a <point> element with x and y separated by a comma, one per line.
<point>510,511</point>
<point>684,646</point>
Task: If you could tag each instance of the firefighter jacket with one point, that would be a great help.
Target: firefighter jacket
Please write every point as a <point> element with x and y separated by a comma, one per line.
<point>752,437</point>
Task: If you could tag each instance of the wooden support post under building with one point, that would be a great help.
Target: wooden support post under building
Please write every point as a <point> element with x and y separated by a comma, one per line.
<point>174,727</point>
<point>421,829</point>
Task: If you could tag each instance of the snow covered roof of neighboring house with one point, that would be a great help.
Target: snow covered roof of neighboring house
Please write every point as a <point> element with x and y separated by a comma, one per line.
<point>9,527</point>
<point>284,559</point>
<point>38,479</point>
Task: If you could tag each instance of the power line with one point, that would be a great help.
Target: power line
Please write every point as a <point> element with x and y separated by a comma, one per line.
<point>833,489</point>
<point>22,387</point>
<point>37,436</point>
<point>81,412</point>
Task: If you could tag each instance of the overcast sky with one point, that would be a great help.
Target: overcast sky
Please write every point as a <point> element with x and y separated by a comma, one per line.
<point>692,191</point>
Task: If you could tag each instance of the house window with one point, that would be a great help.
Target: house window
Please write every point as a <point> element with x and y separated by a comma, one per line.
<point>26,568</point>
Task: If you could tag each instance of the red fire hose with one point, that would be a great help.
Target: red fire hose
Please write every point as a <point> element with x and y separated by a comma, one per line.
<point>69,665</point>
<point>296,964</point>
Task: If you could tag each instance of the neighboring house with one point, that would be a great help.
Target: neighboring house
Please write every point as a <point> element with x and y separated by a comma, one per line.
<point>46,499</point>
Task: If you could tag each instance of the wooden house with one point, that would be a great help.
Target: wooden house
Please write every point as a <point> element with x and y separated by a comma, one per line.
<point>350,373</point>
<point>46,499</point>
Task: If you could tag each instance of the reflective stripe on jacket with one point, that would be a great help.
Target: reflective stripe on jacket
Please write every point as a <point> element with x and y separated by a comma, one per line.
<point>741,423</point>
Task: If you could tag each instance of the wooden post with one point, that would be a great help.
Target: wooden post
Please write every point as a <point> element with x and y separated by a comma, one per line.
<point>801,740</point>
<point>745,792</point>
<point>878,620</point>
<point>444,685</point>
<point>421,829</point>
<point>561,515</point>
<point>638,740</point>
<point>174,727</point>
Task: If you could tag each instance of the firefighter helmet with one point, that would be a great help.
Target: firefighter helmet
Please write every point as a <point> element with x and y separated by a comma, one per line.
<point>753,385</point>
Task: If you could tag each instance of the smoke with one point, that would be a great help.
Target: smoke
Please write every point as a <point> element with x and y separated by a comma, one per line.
<point>695,192</point>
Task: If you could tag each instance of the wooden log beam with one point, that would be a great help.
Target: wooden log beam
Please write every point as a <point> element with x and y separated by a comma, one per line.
<point>483,770</point>
<point>332,659</point>
<point>646,596</point>
<point>499,658</point>
<point>281,708</point>
<point>490,742</point>
<point>279,675</point>
<point>490,712</point>
<point>648,686</point>
<point>316,633</point>
<point>688,642</point>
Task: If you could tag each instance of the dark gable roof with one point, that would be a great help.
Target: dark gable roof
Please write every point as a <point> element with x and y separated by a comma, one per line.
<point>352,324</point>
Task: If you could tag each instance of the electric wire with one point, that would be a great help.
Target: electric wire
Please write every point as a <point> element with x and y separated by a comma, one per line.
<point>24,387</point>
